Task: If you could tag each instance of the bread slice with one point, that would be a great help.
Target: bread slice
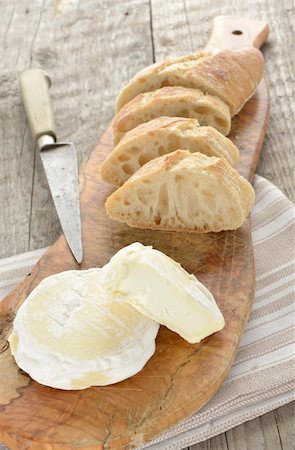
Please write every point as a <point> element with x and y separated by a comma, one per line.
<point>183,191</point>
<point>161,136</point>
<point>172,101</point>
<point>232,75</point>
<point>152,77</point>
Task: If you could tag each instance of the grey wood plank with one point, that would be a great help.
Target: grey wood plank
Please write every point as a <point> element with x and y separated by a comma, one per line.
<point>261,433</point>
<point>91,50</point>
<point>184,27</point>
<point>16,156</point>
<point>285,417</point>
<point>246,437</point>
<point>216,443</point>
<point>91,61</point>
<point>86,49</point>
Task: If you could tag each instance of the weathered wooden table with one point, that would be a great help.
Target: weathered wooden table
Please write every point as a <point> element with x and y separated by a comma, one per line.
<point>91,49</point>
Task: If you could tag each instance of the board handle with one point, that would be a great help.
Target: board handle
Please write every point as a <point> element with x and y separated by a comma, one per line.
<point>235,33</point>
<point>35,85</point>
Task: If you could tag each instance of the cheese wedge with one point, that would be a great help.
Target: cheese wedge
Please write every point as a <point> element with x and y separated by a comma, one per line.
<point>162,290</point>
<point>70,333</point>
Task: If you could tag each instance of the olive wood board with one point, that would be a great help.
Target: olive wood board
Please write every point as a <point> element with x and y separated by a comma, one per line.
<point>180,378</point>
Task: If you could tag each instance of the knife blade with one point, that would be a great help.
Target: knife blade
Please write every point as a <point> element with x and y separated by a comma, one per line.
<point>59,159</point>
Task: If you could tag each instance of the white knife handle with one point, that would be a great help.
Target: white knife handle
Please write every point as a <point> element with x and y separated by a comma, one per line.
<point>35,84</point>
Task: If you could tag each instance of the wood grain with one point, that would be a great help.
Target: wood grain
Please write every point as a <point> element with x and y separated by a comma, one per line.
<point>249,435</point>
<point>109,417</point>
<point>184,28</point>
<point>216,443</point>
<point>40,35</point>
<point>217,259</point>
<point>86,51</point>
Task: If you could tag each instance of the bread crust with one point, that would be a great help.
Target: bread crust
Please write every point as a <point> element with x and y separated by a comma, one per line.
<point>172,101</point>
<point>161,136</point>
<point>232,75</point>
<point>183,191</point>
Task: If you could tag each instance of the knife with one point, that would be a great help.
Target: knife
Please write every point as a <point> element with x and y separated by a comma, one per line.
<point>59,158</point>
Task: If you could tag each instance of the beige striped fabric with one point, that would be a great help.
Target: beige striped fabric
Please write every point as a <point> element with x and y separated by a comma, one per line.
<point>263,375</point>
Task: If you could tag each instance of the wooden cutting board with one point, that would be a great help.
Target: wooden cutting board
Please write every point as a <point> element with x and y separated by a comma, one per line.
<point>180,378</point>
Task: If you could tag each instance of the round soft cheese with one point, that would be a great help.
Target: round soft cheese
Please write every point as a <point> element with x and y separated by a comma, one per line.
<point>71,333</point>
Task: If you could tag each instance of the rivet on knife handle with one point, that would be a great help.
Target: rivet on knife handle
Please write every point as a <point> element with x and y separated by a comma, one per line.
<point>35,84</point>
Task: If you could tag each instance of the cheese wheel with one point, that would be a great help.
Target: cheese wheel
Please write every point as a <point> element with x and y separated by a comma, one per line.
<point>70,333</point>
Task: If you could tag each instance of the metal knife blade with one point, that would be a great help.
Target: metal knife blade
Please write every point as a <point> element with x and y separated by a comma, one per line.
<point>59,158</point>
<point>61,169</point>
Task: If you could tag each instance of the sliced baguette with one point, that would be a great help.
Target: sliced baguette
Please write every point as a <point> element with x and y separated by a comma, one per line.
<point>172,101</point>
<point>161,136</point>
<point>154,77</point>
<point>232,75</point>
<point>183,191</point>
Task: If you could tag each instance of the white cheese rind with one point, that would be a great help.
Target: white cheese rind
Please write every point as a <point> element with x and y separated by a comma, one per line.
<point>72,334</point>
<point>162,290</point>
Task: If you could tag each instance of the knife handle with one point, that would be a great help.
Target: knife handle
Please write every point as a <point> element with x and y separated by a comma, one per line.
<point>35,84</point>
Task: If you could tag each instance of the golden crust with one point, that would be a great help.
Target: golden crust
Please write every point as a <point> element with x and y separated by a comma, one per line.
<point>183,191</point>
<point>155,124</point>
<point>172,101</point>
<point>146,80</point>
<point>231,75</point>
<point>160,136</point>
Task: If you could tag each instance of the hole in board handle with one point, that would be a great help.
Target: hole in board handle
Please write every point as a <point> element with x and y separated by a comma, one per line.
<point>237,32</point>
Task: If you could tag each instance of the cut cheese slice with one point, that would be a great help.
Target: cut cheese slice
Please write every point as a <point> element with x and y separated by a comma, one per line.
<point>70,333</point>
<point>162,290</point>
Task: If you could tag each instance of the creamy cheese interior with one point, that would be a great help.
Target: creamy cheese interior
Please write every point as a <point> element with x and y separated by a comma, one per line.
<point>96,327</point>
<point>71,333</point>
<point>161,289</point>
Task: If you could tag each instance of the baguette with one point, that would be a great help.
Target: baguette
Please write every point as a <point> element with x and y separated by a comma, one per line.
<point>232,75</point>
<point>152,77</point>
<point>161,136</point>
<point>183,191</point>
<point>172,101</point>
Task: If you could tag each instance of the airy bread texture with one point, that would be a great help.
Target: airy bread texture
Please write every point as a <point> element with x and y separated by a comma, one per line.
<point>155,76</point>
<point>172,101</point>
<point>183,191</point>
<point>159,137</point>
<point>231,75</point>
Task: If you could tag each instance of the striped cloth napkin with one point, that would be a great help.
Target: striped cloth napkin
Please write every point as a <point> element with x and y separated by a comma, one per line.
<point>262,377</point>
